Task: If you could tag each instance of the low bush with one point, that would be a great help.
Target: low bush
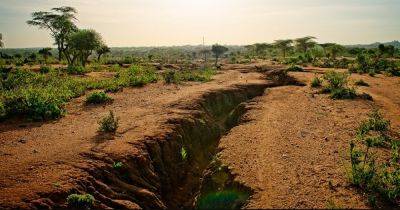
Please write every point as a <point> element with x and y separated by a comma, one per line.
<point>84,201</point>
<point>376,177</point>
<point>337,85</point>
<point>295,68</point>
<point>79,70</point>
<point>140,76</point>
<point>316,82</point>
<point>98,98</point>
<point>172,76</point>
<point>44,69</point>
<point>109,124</point>
<point>361,82</point>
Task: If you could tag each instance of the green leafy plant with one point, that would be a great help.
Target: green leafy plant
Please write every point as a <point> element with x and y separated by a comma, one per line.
<point>109,124</point>
<point>80,201</point>
<point>316,82</point>
<point>98,98</point>
<point>184,154</point>
<point>117,165</point>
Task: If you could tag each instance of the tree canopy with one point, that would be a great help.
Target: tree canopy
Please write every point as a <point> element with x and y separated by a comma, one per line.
<point>218,50</point>
<point>305,43</point>
<point>284,45</point>
<point>59,21</point>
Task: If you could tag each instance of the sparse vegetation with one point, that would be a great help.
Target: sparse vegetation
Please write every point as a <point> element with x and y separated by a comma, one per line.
<point>84,201</point>
<point>316,82</point>
<point>337,85</point>
<point>109,124</point>
<point>98,98</point>
<point>377,176</point>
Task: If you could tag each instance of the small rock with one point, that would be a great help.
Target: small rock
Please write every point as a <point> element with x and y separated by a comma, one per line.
<point>326,138</point>
<point>284,155</point>
<point>22,140</point>
<point>35,151</point>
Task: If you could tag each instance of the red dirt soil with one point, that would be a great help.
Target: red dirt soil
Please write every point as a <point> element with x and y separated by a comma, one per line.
<point>292,152</point>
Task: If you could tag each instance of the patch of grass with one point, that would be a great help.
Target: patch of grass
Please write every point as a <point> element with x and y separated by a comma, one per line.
<point>295,68</point>
<point>109,124</point>
<point>84,201</point>
<point>316,82</point>
<point>98,98</point>
<point>176,77</point>
<point>361,82</point>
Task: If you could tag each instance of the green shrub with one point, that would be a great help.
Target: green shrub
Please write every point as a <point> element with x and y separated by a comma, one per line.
<point>383,177</point>
<point>44,69</point>
<point>316,82</point>
<point>98,98</point>
<point>375,122</point>
<point>295,68</point>
<point>337,85</point>
<point>343,93</point>
<point>84,201</point>
<point>109,124</point>
<point>361,82</point>
<point>172,76</point>
<point>140,76</point>
<point>335,79</point>
<point>76,70</point>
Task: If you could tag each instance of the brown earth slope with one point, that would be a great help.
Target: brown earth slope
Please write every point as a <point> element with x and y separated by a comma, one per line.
<point>294,150</point>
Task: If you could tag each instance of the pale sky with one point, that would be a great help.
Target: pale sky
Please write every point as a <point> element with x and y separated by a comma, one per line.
<point>126,23</point>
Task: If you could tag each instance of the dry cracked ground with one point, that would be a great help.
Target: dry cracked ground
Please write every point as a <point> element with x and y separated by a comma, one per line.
<point>290,146</point>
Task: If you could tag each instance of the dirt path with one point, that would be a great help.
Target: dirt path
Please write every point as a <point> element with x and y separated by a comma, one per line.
<point>294,150</point>
<point>41,157</point>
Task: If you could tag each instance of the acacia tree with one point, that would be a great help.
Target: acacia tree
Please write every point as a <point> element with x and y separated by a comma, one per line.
<point>218,50</point>
<point>45,52</point>
<point>81,44</point>
<point>59,21</point>
<point>284,45</point>
<point>103,49</point>
<point>260,48</point>
<point>332,49</point>
<point>305,43</point>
